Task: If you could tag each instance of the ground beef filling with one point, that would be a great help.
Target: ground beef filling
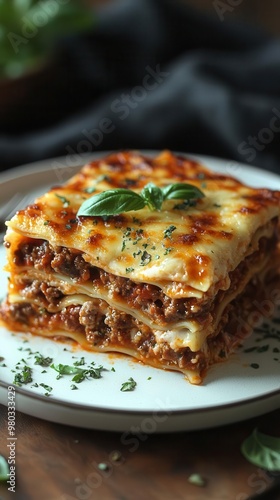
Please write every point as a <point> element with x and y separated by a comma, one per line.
<point>102,326</point>
<point>141,296</point>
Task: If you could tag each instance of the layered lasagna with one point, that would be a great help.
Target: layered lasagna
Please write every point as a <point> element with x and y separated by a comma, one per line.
<point>171,287</point>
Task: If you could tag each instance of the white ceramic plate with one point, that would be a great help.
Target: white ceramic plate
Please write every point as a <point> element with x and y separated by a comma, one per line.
<point>245,386</point>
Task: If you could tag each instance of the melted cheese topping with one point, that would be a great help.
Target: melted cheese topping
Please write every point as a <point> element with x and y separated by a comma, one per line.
<point>209,240</point>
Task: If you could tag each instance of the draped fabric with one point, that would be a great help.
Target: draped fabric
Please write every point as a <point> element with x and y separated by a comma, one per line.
<point>153,74</point>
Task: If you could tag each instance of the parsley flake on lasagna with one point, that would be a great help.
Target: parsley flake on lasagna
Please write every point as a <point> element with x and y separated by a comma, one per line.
<point>170,286</point>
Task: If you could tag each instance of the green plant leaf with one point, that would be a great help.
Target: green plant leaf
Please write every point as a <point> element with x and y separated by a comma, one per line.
<point>129,385</point>
<point>112,202</point>
<point>66,369</point>
<point>19,53</point>
<point>262,450</point>
<point>80,374</point>
<point>181,191</point>
<point>117,201</point>
<point>67,19</point>
<point>153,196</point>
<point>4,469</point>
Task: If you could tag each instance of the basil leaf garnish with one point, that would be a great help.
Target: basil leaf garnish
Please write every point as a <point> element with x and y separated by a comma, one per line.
<point>181,191</point>
<point>4,469</point>
<point>117,201</point>
<point>262,450</point>
<point>112,202</point>
<point>153,196</point>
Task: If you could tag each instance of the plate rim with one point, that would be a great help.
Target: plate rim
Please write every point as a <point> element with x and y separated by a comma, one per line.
<point>178,412</point>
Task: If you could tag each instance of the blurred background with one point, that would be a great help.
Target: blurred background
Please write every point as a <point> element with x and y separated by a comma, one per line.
<point>264,14</point>
<point>196,76</point>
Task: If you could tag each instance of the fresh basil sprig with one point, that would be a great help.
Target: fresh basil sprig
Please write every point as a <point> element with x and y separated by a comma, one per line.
<point>117,201</point>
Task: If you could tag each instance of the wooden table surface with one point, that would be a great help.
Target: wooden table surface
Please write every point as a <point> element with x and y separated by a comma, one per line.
<point>57,462</point>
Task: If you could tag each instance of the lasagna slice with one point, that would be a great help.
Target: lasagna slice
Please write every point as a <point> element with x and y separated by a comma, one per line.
<point>170,287</point>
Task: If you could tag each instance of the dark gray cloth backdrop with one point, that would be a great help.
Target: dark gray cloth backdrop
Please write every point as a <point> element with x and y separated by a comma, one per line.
<point>154,74</point>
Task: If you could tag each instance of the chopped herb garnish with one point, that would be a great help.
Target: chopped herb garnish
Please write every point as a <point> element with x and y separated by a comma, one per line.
<point>136,220</point>
<point>168,232</point>
<point>201,175</point>
<point>196,479</point>
<point>25,377</point>
<point>73,387</point>
<point>64,200</point>
<point>102,177</point>
<point>135,254</point>
<point>68,226</point>
<point>103,466</point>
<point>263,348</point>
<point>129,269</point>
<point>250,349</point>
<point>130,182</point>
<point>185,204</point>
<point>145,258</point>
<point>90,190</point>
<point>80,362</point>
<point>115,456</point>
<point>66,369</point>
<point>168,250</point>
<point>129,385</point>
<point>80,374</point>
<point>46,387</point>
<point>96,371</point>
<point>255,366</point>
<point>40,360</point>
